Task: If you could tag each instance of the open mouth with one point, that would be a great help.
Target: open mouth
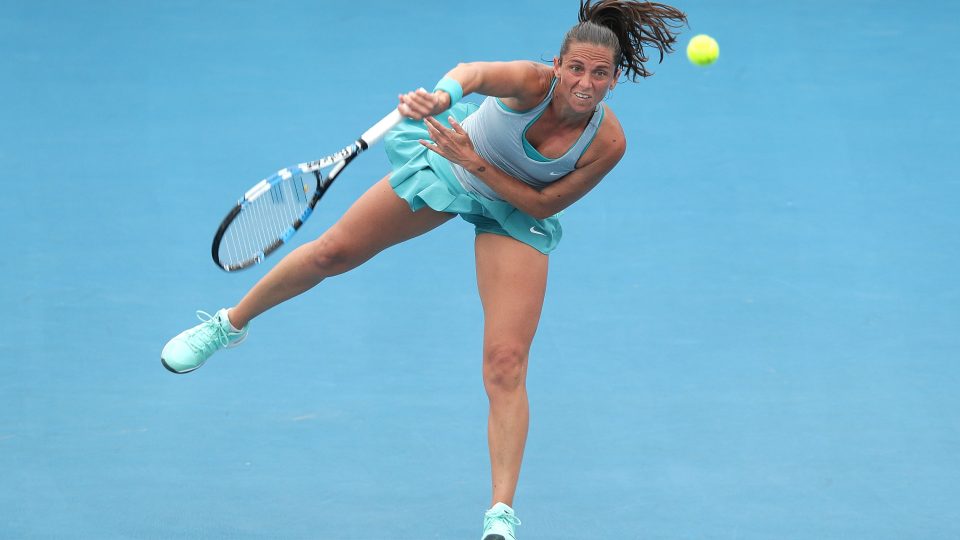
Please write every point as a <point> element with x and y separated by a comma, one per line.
<point>581,96</point>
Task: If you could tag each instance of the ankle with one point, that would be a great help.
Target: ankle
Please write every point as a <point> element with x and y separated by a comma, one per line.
<point>234,321</point>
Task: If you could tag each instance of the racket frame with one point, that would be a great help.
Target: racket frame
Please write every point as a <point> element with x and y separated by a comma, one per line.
<point>338,160</point>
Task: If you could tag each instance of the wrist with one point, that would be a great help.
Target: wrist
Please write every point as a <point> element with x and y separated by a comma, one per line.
<point>444,100</point>
<point>452,88</point>
<point>477,165</point>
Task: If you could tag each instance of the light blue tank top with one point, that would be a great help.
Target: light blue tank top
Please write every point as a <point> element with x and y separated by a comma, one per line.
<point>499,135</point>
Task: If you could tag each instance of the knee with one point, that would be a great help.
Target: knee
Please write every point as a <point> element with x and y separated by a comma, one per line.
<point>504,367</point>
<point>329,255</point>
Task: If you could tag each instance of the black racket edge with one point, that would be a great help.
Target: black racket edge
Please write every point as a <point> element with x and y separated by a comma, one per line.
<point>232,215</point>
<point>322,186</point>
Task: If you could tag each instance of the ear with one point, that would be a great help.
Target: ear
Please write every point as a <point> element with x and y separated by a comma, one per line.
<point>616,77</point>
<point>556,66</point>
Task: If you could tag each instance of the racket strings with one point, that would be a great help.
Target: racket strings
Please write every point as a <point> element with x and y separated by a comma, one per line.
<point>264,223</point>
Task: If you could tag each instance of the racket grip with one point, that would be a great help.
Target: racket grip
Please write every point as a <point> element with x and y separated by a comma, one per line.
<point>374,134</point>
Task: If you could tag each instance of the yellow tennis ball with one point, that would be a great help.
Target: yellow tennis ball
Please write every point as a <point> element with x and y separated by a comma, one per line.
<point>703,50</point>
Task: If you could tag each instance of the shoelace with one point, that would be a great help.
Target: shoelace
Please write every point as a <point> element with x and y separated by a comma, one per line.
<point>206,336</point>
<point>499,515</point>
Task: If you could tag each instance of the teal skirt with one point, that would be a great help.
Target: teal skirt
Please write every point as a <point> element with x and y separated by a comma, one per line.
<point>424,178</point>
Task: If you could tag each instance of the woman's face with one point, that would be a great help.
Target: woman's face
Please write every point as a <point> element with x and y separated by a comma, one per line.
<point>586,72</point>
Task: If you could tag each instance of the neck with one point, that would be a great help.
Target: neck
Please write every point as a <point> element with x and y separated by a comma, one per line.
<point>564,116</point>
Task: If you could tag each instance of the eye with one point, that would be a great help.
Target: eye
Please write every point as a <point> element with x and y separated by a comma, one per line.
<point>576,68</point>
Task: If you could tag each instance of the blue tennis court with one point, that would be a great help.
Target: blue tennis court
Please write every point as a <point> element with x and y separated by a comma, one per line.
<point>751,328</point>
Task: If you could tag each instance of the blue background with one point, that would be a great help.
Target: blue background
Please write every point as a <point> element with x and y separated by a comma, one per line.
<point>751,328</point>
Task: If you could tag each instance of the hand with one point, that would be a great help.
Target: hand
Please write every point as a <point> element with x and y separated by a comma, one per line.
<point>453,144</point>
<point>420,104</point>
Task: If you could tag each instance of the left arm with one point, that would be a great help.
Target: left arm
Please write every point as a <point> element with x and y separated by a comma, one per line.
<point>455,145</point>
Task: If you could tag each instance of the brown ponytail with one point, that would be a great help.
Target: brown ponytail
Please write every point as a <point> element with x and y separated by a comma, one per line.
<point>626,26</point>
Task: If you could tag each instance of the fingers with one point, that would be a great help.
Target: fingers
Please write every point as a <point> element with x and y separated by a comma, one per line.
<point>432,123</point>
<point>432,130</point>
<point>437,134</point>
<point>417,104</point>
<point>452,143</point>
<point>435,129</point>
<point>434,147</point>
<point>456,125</point>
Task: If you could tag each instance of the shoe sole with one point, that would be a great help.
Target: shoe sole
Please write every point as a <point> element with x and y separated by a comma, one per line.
<point>171,370</point>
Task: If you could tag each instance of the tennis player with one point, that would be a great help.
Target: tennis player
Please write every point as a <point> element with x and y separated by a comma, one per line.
<point>540,141</point>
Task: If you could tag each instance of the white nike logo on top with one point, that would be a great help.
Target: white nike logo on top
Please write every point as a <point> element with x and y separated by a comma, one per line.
<point>557,173</point>
<point>535,231</point>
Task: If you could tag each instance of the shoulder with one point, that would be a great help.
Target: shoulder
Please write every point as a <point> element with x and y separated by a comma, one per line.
<point>531,84</point>
<point>609,144</point>
<point>536,76</point>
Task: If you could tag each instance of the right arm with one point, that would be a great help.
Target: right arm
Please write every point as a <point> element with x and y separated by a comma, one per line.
<point>520,84</point>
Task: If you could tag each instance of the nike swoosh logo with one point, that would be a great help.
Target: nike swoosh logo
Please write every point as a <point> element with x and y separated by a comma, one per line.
<point>557,173</point>
<point>535,231</point>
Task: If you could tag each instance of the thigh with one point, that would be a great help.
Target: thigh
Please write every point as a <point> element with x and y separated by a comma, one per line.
<point>380,219</point>
<point>512,281</point>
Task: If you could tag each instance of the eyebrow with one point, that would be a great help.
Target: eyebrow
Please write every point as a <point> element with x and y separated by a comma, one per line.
<point>581,62</point>
<point>578,61</point>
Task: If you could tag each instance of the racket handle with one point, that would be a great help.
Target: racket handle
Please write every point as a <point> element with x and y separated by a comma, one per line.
<point>374,134</point>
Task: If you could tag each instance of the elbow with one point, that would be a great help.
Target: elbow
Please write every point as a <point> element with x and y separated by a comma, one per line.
<point>543,211</point>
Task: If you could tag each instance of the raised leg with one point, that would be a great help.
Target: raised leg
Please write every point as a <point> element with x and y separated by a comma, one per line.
<point>377,220</point>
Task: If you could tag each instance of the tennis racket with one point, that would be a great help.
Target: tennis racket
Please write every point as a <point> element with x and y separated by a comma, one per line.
<point>276,207</point>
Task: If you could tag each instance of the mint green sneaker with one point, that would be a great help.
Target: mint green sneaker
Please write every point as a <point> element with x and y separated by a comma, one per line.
<point>499,523</point>
<point>191,348</point>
